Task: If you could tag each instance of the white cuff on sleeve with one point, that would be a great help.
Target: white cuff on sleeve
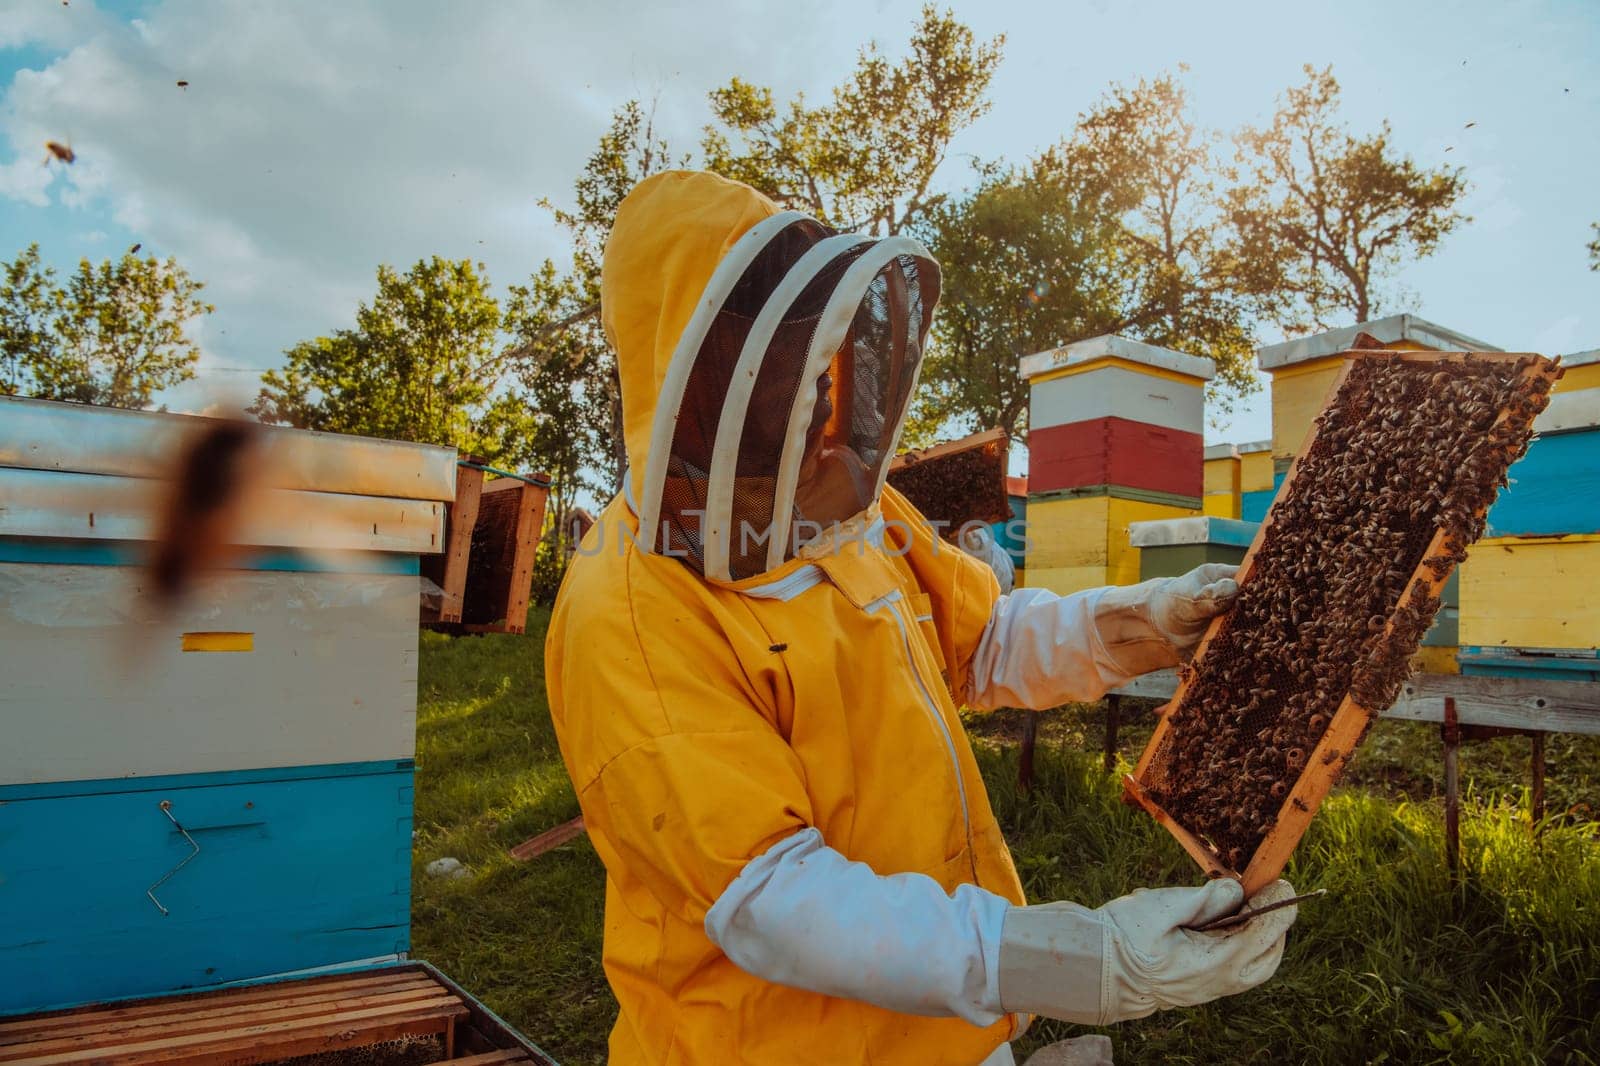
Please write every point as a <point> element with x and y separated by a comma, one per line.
<point>805,916</point>
<point>1041,650</point>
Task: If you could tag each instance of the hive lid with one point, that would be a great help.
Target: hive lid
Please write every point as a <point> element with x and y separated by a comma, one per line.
<point>1391,330</point>
<point>1112,346</point>
<point>1206,529</point>
<point>73,472</point>
<point>84,439</point>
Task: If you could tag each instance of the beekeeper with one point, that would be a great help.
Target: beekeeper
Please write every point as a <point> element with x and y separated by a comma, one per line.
<point>755,665</point>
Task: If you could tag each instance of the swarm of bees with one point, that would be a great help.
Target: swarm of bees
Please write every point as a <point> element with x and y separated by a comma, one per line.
<point>1333,603</point>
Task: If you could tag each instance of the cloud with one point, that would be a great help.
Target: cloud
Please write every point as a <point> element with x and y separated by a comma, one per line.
<point>315,141</point>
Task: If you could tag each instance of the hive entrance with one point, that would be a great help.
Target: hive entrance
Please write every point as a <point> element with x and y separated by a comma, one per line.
<point>1335,596</point>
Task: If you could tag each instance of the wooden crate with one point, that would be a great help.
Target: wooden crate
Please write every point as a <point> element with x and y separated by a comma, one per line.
<point>448,570</point>
<point>486,572</point>
<point>504,544</point>
<point>1321,767</point>
<point>402,1015</point>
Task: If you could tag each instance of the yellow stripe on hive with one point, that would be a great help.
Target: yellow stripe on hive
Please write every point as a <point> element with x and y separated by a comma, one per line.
<point>219,642</point>
<point>1295,404</point>
<point>1578,378</point>
<point>1220,505</point>
<point>1436,660</point>
<point>1111,360</point>
<point>1222,475</point>
<point>1255,472</point>
<point>1310,366</point>
<point>1532,592</point>
<point>1068,532</point>
<point>1065,580</point>
<point>1122,559</point>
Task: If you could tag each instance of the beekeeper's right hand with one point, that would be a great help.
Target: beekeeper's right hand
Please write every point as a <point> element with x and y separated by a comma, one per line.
<point>1138,954</point>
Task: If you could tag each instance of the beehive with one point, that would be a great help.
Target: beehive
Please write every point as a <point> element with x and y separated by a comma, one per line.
<point>1257,483</point>
<point>1336,593</point>
<point>1114,438</point>
<point>1174,546</point>
<point>214,791</point>
<point>1222,481</point>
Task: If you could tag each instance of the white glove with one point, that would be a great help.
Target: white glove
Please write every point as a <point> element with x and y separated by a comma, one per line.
<point>1136,955</point>
<point>979,542</point>
<point>1155,623</point>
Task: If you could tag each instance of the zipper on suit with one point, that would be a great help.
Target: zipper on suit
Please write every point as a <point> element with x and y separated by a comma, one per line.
<point>929,704</point>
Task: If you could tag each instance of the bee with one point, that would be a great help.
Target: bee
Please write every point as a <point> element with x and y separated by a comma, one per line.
<point>217,476</point>
<point>59,151</point>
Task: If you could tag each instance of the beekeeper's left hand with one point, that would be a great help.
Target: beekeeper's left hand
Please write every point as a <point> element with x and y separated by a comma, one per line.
<point>1156,623</point>
<point>1140,953</point>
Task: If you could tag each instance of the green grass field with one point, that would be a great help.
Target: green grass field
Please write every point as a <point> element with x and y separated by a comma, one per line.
<point>1395,965</point>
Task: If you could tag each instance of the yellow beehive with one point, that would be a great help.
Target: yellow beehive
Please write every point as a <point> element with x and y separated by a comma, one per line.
<point>1222,482</point>
<point>1304,369</point>
<point>1080,543</point>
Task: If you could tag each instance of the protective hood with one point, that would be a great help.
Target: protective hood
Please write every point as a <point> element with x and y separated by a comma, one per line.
<point>766,366</point>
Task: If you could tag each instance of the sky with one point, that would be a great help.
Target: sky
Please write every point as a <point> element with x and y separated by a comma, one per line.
<point>315,141</point>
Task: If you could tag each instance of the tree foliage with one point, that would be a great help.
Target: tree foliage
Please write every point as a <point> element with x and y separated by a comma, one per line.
<point>561,354</point>
<point>1117,229</point>
<point>114,334</point>
<point>421,364</point>
<point>1161,173</point>
<point>1028,262</point>
<point>865,160</point>
<point>27,292</point>
<point>1323,216</point>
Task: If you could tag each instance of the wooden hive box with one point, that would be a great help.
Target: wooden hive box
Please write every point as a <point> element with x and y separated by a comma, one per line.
<point>217,793</point>
<point>1336,592</point>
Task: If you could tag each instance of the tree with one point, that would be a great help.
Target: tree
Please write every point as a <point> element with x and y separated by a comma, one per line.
<point>865,160</point>
<point>27,291</point>
<point>1323,216</point>
<point>115,334</point>
<point>1117,229</point>
<point>1160,172</point>
<point>421,365</point>
<point>565,381</point>
<point>1028,264</point>
<point>561,354</point>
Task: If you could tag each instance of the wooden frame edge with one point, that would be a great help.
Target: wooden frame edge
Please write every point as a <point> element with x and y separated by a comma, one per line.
<point>1351,720</point>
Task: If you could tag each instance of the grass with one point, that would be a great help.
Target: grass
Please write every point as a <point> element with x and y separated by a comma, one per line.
<point>1395,965</point>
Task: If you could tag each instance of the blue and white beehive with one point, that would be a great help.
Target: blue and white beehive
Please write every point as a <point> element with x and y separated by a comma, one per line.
<point>270,720</point>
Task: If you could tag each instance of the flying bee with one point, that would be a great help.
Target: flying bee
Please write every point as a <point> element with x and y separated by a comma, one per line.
<point>59,151</point>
